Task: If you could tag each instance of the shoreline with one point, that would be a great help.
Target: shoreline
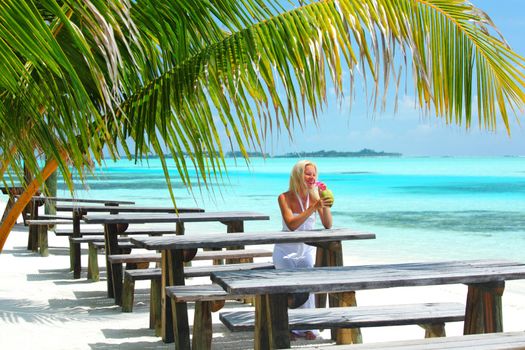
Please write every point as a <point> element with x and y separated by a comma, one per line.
<point>40,304</point>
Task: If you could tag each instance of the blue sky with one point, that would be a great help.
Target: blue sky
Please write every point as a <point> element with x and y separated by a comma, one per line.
<point>407,131</point>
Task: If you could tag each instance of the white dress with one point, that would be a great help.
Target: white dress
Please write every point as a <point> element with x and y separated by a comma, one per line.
<point>297,255</point>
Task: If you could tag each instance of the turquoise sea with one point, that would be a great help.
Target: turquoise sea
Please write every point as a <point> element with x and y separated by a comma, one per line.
<point>420,208</point>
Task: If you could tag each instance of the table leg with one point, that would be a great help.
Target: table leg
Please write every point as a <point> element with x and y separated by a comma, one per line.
<point>175,326</point>
<point>321,259</point>
<point>114,272</point>
<point>42,240</point>
<point>483,313</point>
<point>262,335</point>
<point>271,322</point>
<point>31,241</point>
<point>232,227</point>
<point>75,253</point>
<point>342,336</point>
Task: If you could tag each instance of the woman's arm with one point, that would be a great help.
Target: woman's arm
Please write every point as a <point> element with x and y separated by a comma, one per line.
<point>294,221</point>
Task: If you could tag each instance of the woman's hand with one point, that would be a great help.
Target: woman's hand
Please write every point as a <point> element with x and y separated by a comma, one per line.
<point>324,203</point>
<point>323,208</point>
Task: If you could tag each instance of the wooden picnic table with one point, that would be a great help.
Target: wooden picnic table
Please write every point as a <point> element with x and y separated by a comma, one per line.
<point>173,267</point>
<point>78,211</point>
<point>37,240</point>
<point>485,280</point>
<point>234,220</point>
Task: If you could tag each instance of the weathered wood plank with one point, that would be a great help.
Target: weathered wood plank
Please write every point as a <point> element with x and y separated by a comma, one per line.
<point>248,238</point>
<point>201,255</point>
<point>489,341</point>
<point>48,222</point>
<point>89,239</point>
<point>99,231</point>
<point>348,278</point>
<point>202,292</point>
<point>124,209</point>
<point>122,244</point>
<point>358,316</point>
<point>197,271</point>
<point>81,200</point>
<point>139,218</point>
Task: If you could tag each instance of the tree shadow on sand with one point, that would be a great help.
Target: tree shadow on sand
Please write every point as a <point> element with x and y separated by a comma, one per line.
<point>56,311</point>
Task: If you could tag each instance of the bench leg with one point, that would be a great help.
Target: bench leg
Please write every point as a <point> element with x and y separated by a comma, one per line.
<point>75,258</point>
<point>128,294</point>
<point>42,241</point>
<point>346,335</point>
<point>434,330</point>
<point>155,306</point>
<point>32,243</point>
<point>93,270</point>
<point>71,257</point>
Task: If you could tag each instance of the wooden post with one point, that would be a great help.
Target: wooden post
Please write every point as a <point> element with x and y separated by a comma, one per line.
<point>42,239</point>
<point>202,326</point>
<point>232,227</point>
<point>93,270</point>
<point>483,312</point>
<point>32,240</point>
<point>155,306</point>
<point>434,330</point>
<point>51,190</point>
<point>180,229</point>
<point>173,275</point>
<point>321,259</point>
<point>278,321</point>
<point>347,335</point>
<point>75,253</point>
<point>114,272</point>
<point>262,335</point>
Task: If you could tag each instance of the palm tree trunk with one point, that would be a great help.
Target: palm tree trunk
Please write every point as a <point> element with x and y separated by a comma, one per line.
<point>23,200</point>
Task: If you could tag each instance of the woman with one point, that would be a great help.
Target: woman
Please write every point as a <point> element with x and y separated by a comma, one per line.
<point>300,206</point>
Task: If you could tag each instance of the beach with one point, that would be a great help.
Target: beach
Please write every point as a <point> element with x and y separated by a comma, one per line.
<point>42,306</point>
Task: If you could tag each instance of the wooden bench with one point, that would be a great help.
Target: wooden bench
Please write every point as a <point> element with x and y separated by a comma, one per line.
<point>38,233</point>
<point>155,274</point>
<point>430,316</point>
<point>99,231</point>
<point>96,244</point>
<point>74,248</point>
<point>488,341</point>
<point>246,255</point>
<point>483,311</point>
<point>210,298</point>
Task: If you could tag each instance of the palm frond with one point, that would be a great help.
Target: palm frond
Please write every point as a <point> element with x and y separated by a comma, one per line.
<point>177,75</point>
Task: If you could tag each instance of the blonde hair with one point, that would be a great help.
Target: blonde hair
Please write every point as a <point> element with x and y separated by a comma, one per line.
<point>297,184</point>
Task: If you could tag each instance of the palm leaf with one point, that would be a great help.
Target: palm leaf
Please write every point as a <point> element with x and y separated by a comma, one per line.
<point>176,75</point>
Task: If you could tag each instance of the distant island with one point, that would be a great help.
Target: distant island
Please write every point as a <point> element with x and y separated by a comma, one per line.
<point>365,152</point>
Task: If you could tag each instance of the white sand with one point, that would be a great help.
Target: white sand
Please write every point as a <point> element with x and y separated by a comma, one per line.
<point>42,306</point>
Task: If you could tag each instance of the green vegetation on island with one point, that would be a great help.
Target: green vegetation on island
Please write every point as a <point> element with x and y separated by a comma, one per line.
<point>365,152</point>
